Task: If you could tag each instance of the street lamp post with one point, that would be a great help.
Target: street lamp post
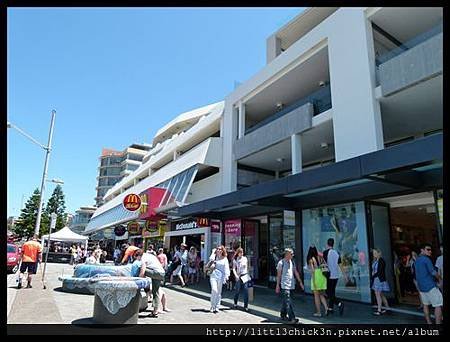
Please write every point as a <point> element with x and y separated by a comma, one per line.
<point>44,175</point>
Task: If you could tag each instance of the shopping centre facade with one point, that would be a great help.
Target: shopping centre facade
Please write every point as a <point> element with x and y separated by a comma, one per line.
<point>339,135</point>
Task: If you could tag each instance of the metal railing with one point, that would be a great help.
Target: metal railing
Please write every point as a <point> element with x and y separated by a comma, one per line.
<point>320,99</point>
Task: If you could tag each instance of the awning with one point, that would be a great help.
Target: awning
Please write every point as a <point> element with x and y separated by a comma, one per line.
<point>406,168</point>
<point>175,191</point>
<point>65,234</point>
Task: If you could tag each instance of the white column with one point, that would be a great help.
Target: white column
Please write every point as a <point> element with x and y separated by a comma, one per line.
<point>296,153</point>
<point>229,175</point>
<point>241,118</point>
<point>356,111</point>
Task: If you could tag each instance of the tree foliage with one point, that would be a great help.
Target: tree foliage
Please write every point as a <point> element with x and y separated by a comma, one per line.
<point>56,204</point>
<point>24,226</point>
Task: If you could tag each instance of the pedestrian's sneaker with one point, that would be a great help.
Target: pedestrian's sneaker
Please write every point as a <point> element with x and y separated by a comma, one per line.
<point>283,318</point>
<point>341,308</point>
<point>234,306</point>
<point>29,286</point>
<point>294,321</point>
<point>211,310</point>
<point>246,310</point>
<point>19,284</point>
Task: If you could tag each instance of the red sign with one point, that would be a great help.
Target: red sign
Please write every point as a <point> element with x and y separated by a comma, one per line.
<point>132,202</point>
<point>215,226</point>
<point>151,198</point>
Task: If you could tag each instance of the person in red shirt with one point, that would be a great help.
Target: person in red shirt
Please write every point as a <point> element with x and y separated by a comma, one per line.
<point>31,255</point>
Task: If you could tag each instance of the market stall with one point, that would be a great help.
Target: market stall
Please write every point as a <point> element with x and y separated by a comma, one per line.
<point>65,236</point>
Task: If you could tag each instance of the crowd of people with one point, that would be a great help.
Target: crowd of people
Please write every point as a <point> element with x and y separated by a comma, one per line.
<point>185,265</point>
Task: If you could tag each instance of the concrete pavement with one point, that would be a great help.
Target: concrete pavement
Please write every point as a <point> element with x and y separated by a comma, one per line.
<point>188,305</point>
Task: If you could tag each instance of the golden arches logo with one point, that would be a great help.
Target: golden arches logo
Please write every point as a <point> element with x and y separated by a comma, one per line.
<point>132,202</point>
<point>202,221</point>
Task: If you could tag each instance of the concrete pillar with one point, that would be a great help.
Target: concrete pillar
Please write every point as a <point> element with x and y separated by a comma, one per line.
<point>273,48</point>
<point>356,111</point>
<point>241,120</point>
<point>296,153</point>
<point>229,175</point>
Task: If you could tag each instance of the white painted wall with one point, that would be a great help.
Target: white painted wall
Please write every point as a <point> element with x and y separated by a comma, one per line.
<point>356,111</point>
<point>205,188</point>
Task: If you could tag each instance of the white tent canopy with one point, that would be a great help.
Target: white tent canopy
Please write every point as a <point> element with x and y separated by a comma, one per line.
<point>65,234</point>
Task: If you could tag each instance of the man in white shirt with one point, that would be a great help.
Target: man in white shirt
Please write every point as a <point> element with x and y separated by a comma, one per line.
<point>152,263</point>
<point>333,261</point>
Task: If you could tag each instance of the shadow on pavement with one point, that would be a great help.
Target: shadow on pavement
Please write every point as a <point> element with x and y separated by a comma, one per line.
<point>200,310</point>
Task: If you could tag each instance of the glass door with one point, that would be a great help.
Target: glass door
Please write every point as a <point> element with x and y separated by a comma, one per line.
<point>379,225</point>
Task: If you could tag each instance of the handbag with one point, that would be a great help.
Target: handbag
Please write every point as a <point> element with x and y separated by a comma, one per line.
<point>324,268</point>
<point>210,267</point>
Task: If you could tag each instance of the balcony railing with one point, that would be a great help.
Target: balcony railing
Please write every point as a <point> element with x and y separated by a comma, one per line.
<point>409,44</point>
<point>320,99</point>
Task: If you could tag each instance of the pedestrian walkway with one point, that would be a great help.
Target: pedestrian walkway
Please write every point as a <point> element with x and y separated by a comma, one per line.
<point>189,305</point>
<point>266,303</point>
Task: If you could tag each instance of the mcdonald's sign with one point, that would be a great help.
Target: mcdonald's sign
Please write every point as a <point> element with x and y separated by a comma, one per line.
<point>132,202</point>
<point>202,222</point>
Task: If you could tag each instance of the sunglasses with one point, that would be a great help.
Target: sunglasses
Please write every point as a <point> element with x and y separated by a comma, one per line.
<point>428,249</point>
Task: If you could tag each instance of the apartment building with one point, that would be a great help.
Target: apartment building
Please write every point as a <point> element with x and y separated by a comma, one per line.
<point>183,166</point>
<point>81,219</point>
<point>115,165</point>
<point>338,136</point>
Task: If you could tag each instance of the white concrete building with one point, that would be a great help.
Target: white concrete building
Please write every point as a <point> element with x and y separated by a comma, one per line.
<point>185,162</point>
<point>338,136</point>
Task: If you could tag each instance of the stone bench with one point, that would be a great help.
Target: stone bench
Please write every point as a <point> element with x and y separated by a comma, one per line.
<point>118,301</point>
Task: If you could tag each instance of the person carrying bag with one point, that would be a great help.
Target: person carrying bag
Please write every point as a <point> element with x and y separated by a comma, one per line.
<point>243,279</point>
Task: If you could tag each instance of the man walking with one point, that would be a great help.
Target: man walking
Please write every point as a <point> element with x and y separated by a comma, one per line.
<point>286,270</point>
<point>426,277</point>
<point>31,254</point>
<point>333,261</point>
<point>155,271</point>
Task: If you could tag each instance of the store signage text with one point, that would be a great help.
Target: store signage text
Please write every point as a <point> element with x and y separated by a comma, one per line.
<point>233,227</point>
<point>215,226</point>
<point>132,202</point>
<point>186,225</point>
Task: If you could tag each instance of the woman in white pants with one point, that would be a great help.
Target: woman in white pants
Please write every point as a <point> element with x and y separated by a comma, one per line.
<point>218,277</point>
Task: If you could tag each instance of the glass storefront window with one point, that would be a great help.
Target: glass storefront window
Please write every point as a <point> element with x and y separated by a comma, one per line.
<point>346,224</point>
<point>280,237</point>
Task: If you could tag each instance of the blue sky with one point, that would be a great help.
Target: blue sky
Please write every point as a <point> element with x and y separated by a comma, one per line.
<point>115,76</point>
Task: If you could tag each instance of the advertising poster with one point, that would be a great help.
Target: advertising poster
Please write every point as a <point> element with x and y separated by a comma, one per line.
<point>232,234</point>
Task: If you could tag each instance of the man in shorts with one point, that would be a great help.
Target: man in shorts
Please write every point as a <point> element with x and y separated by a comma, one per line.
<point>426,277</point>
<point>31,255</point>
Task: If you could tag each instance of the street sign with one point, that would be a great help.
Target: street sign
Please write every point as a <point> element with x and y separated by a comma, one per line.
<point>53,221</point>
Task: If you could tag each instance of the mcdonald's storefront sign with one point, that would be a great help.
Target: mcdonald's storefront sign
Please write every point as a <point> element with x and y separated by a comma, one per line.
<point>132,202</point>
<point>202,222</point>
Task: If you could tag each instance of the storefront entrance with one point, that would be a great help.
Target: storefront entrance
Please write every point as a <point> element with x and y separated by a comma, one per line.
<point>399,226</point>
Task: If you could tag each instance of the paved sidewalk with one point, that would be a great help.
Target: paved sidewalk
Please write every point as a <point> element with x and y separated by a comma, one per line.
<point>267,304</point>
<point>188,305</point>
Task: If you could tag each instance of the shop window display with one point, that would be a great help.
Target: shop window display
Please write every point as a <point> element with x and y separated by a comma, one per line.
<point>281,236</point>
<point>346,225</point>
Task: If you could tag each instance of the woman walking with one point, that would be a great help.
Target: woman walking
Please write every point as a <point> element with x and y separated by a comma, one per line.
<point>318,280</point>
<point>240,271</point>
<point>219,276</point>
<point>378,281</point>
<point>192,265</point>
